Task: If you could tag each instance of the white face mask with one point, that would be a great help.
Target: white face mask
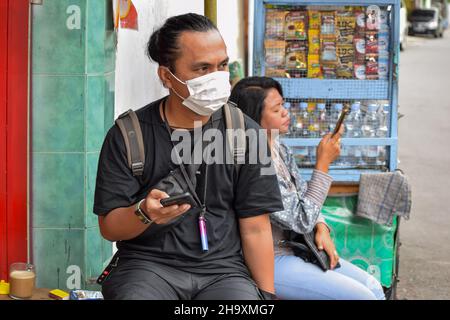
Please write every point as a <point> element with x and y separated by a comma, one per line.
<point>208,93</point>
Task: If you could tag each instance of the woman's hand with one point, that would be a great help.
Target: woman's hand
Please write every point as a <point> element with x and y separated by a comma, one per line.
<point>328,151</point>
<point>324,242</point>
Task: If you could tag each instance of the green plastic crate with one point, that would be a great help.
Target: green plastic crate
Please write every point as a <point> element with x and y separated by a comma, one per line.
<point>360,241</point>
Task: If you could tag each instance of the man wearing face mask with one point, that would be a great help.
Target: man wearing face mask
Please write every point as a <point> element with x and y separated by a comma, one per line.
<point>160,259</point>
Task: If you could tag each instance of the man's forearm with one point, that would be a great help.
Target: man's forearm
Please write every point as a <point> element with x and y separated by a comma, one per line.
<point>257,247</point>
<point>121,224</point>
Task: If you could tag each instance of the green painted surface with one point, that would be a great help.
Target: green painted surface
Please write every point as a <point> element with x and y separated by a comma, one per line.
<point>58,184</point>
<point>73,53</point>
<point>360,241</point>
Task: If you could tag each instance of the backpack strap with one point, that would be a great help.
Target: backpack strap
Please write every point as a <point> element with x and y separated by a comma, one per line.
<point>237,142</point>
<point>129,125</point>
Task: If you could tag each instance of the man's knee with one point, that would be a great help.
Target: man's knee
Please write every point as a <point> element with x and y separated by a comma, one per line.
<point>230,288</point>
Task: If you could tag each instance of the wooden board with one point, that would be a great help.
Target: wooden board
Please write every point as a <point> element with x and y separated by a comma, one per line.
<point>344,189</point>
<point>39,294</point>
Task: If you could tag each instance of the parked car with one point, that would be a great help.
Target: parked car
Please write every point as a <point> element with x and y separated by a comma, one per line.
<point>403,25</point>
<point>443,7</point>
<point>426,21</point>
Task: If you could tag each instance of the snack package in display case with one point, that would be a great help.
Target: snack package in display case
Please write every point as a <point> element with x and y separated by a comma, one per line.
<point>360,49</point>
<point>384,21</point>
<point>346,57</point>
<point>276,73</point>
<point>373,18</point>
<point>296,27</point>
<point>360,70</point>
<point>383,67</point>
<point>296,55</point>
<point>314,41</point>
<point>314,69</point>
<point>346,23</point>
<point>275,24</point>
<point>372,66</point>
<point>383,43</point>
<point>314,20</point>
<point>371,42</point>
<point>275,53</point>
<point>329,70</point>
<point>328,23</point>
<point>328,50</point>
<point>360,17</point>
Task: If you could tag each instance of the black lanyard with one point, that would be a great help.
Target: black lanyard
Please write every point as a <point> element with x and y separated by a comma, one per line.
<point>212,123</point>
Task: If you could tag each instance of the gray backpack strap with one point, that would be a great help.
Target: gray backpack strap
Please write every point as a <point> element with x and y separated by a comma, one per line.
<point>129,125</point>
<point>236,138</point>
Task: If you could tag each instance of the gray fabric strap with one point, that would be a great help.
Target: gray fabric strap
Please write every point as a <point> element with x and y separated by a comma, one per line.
<point>235,125</point>
<point>132,134</point>
<point>131,131</point>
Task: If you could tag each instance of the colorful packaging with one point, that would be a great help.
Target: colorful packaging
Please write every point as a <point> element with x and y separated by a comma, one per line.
<point>360,71</point>
<point>345,36</point>
<point>346,57</point>
<point>276,73</point>
<point>372,66</point>
<point>328,47</point>
<point>345,20</point>
<point>383,67</point>
<point>360,49</point>
<point>275,23</point>
<point>275,53</point>
<point>85,295</point>
<point>383,42</point>
<point>296,55</point>
<point>314,69</point>
<point>314,20</point>
<point>373,18</point>
<point>314,41</point>
<point>329,70</point>
<point>384,20</point>
<point>296,25</point>
<point>346,23</point>
<point>328,23</point>
<point>371,42</point>
<point>372,77</point>
<point>360,17</point>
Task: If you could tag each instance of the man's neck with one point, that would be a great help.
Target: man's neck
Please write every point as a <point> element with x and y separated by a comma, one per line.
<point>179,116</point>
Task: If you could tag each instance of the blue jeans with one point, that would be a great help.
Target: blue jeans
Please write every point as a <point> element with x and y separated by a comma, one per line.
<point>297,280</point>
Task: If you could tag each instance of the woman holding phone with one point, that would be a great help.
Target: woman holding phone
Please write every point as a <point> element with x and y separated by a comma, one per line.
<point>261,98</point>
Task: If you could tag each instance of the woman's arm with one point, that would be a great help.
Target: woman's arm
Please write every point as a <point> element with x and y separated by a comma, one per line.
<point>302,210</point>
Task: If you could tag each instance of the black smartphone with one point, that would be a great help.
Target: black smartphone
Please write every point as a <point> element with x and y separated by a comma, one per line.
<point>185,198</point>
<point>344,113</point>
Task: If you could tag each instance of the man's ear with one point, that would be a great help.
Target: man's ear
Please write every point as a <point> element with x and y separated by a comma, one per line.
<point>165,77</point>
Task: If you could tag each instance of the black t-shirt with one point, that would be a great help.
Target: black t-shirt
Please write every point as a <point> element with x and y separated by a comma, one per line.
<point>229,197</point>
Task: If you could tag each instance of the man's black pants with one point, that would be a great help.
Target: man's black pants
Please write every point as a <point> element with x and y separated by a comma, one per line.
<point>136,279</point>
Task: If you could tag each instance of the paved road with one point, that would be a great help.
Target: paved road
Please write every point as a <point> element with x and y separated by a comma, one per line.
<point>424,141</point>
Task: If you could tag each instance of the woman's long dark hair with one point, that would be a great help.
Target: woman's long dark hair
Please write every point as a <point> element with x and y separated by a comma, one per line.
<point>249,95</point>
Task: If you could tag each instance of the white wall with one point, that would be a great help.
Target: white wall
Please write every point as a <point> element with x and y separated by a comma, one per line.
<point>137,82</point>
<point>230,22</point>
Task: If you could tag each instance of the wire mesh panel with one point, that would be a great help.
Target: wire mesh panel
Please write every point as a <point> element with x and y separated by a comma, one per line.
<point>312,119</point>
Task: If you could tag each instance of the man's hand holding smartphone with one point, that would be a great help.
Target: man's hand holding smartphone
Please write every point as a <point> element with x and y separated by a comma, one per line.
<point>157,212</point>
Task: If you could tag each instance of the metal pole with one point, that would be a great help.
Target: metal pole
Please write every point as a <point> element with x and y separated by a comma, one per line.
<point>211,10</point>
